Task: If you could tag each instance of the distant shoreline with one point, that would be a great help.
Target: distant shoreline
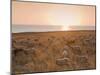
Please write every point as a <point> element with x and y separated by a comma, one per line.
<point>54,31</point>
<point>49,28</point>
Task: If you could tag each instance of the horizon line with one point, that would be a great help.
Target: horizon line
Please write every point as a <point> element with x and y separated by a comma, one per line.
<point>47,25</point>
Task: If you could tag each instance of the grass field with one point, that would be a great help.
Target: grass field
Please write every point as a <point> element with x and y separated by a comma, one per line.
<point>53,51</point>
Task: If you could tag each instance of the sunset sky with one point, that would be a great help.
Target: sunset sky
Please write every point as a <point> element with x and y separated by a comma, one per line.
<point>29,13</point>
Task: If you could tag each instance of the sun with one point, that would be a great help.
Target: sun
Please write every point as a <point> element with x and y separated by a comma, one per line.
<point>64,28</point>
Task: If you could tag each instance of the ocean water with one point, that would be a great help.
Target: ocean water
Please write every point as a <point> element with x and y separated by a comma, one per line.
<point>46,28</point>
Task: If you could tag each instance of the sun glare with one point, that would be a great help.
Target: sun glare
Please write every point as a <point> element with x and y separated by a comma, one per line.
<point>65,28</point>
<point>63,19</point>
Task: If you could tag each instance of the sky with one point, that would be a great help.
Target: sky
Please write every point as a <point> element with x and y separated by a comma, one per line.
<point>44,14</point>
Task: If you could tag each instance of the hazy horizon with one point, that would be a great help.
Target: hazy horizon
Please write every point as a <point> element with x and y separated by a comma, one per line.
<point>47,28</point>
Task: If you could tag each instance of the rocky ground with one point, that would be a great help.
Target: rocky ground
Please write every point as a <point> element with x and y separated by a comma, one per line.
<point>53,51</point>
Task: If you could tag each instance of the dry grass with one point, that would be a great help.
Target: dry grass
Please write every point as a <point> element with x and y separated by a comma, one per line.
<point>43,52</point>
